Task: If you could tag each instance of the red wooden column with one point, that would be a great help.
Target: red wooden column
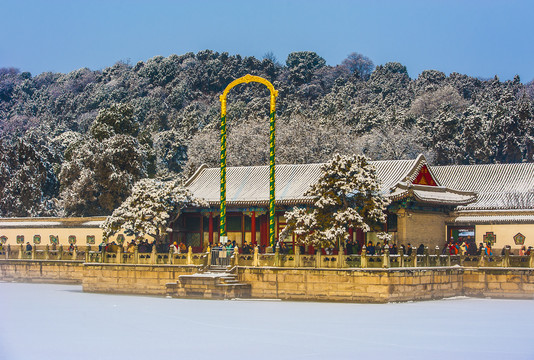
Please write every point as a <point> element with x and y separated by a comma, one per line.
<point>351,235</point>
<point>253,228</point>
<point>210,229</point>
<point>201,232</point>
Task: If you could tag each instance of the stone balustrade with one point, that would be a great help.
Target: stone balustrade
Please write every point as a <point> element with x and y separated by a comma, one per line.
<point>385,260</point>
<point>276,259</point>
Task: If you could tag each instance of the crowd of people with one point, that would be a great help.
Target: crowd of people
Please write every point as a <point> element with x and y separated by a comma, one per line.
<point>458,247</point>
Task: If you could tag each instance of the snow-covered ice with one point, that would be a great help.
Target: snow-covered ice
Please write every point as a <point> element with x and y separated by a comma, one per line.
<point>41,321</point>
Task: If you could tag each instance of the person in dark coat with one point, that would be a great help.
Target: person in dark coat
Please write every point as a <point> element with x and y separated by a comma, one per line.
<point>246,248</point>
<point>480,249</point>
<point>370,248</point>
<point>356,249</point>
<point>409,249</point>
<point>421,250</point>
<point>349,247</point>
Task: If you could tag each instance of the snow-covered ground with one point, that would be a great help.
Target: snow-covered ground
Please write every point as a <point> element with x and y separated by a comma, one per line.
<point>61,322</point>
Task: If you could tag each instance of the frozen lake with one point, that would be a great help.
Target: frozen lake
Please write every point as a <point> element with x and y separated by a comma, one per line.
<point>61,322</point>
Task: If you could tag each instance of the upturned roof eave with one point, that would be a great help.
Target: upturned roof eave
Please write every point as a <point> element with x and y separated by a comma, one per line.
<point>409,192</point>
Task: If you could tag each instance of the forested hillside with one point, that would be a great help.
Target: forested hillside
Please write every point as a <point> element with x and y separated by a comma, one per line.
<point>74,144</point>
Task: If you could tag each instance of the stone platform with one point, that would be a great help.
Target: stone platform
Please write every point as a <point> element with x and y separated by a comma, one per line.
<point>209,285</point>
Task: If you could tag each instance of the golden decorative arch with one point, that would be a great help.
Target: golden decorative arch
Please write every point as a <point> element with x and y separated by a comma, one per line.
<point>245,80</point>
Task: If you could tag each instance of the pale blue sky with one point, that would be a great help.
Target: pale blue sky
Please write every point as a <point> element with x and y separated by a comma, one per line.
<point>478,38</point>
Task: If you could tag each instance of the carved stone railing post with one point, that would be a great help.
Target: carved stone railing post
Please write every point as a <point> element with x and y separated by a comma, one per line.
<point>506,259</point>
<point>363,263</point>
<point>438,259</point>
<point>236,256</point>
<point>75,253</point>
<point>103,254</point>
<point>297,256</point>
<point>21,251</point>
<point>153,255</point>
<point>414,258</point>
<point>136,254</point>
<point>449,258</point>
<point>47,252</point>
<point>118,260</point>
<point>341,256</point>
<point>318,258</point>
<point>401,257</point>
<point>385,258</point>
<point>87,253</point>
<point>189,255</point>
<point>256,258</point>
<point>8,250</point>
<point>482,260</point>
<point>427,257</point>
<point>171,256</point>
<point>531,259</point>
<point>33,251</point>
<point>277,255</point>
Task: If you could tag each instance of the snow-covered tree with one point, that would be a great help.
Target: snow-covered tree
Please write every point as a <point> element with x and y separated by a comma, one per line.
<point>97,176</point>
<point>150,209</point>
<point>347,195</point>
<point>28,183</point>
<point>117,119</point>
<point>393,142</point>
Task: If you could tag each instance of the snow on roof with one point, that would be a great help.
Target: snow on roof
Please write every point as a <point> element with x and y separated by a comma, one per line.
<point>499,186</point>
<point>50,222</point>
<point>432,194</point>
<point>249,185</point>
<point>29,223</point>
<point>93,223</point>
<point>494,219</point>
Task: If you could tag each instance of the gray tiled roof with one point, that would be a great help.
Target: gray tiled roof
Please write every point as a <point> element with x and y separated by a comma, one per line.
<point>499,186</point>
<point>249,185</point>
<point>432,194</point>
<point>494,219</point>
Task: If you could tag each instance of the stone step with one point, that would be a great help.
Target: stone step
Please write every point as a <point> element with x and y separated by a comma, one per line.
<point>209,285</point>
<point>236,285</point>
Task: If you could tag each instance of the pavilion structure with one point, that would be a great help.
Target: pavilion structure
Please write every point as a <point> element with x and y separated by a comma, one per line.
<point>421,204</point>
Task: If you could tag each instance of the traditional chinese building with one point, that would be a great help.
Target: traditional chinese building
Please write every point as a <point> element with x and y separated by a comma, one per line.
<point>421,203</point>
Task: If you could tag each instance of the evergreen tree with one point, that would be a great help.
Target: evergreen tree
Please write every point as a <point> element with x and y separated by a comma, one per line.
<point>150,209</point>
<point>346,195</point>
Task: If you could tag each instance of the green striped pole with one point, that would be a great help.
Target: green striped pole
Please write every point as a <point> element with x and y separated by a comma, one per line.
<point>246,79</point>
<point>222,231</point>
<point>271,172</point>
